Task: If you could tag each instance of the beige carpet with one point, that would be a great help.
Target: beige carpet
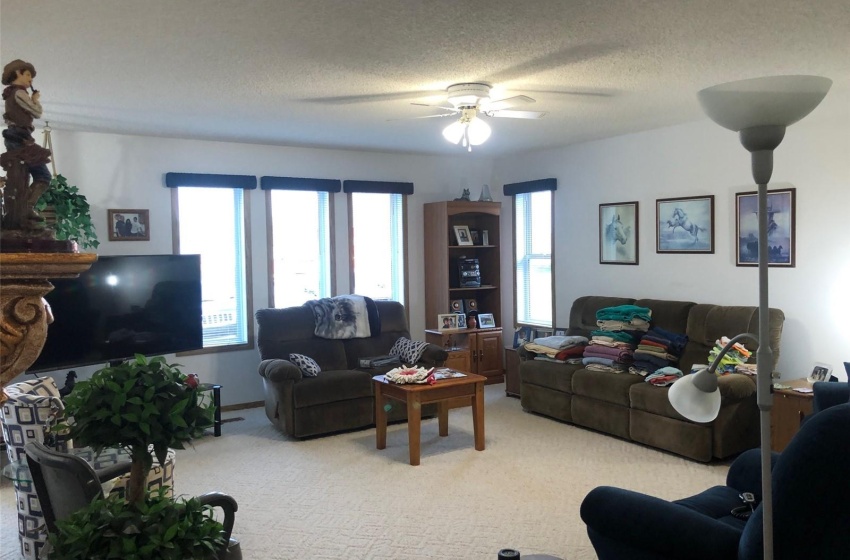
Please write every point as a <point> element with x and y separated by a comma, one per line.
<point>339,498</point>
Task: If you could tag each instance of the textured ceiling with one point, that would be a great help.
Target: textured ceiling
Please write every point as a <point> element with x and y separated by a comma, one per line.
<point>342,73</point>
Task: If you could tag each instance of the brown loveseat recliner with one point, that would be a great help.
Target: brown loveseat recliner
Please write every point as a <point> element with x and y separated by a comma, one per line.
<point>623,405</point>
<point>340,397</point>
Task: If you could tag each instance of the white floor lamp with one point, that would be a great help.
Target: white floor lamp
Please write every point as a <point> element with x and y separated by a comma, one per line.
<point>759,110</point>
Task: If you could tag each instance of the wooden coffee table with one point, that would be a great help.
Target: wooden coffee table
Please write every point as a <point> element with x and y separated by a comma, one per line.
<point>447,393</point>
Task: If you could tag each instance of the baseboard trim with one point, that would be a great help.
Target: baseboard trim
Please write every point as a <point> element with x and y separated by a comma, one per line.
<point>242,406</point>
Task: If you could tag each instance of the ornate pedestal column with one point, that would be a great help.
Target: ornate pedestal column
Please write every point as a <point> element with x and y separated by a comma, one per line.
<point>24,281</point>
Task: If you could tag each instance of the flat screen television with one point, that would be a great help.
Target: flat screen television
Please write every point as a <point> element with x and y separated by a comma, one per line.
<point>122,306</point>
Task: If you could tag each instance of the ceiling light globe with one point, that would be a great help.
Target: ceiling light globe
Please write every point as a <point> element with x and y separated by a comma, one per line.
<point>772,100</point>
<point>479,131</point>
<point>454,132</point>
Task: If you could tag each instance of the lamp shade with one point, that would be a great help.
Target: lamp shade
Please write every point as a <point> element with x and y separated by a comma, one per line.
<point>692,402</point>
<point>772,100</point>
<point>454,132</point>
<point>479,131</point>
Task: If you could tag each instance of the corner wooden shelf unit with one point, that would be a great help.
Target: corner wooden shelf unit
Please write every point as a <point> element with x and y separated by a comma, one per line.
<point>442,282</point>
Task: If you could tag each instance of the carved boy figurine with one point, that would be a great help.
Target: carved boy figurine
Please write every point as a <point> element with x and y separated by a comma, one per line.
<point>20,109</point>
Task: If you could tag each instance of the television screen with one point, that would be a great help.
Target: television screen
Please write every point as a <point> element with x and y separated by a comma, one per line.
<point>121,306</point>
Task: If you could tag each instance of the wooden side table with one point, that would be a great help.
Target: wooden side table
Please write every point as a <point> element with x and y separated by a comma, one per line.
<point>789,409</point>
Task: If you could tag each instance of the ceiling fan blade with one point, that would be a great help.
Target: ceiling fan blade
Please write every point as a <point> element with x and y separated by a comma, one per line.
<point>437,106</point>
<point>507,113</point>
<point>371,98</point>
<point>506,103</point>
<point>425,117</point>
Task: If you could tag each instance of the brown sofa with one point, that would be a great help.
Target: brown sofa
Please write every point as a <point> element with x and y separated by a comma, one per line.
<point>623,405</point>
<point>340,397</point>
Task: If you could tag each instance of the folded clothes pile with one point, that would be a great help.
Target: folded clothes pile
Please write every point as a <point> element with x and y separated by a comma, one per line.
<point>736,356</point>
<point>664,376</point>
<point>557,348</point>
<point>659,348</point>
<point>612,346</point>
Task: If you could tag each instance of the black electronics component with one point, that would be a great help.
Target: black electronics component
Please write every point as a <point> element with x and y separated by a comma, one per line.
<point>469,274</point>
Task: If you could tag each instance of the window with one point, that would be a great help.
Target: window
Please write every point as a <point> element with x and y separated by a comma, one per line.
<point>212,222</point>
<point>533,247</point>
<point>378,237</point>
<point>300,250</point>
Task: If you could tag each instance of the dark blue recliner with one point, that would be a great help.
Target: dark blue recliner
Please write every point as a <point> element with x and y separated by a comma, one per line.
<point>810,506</point>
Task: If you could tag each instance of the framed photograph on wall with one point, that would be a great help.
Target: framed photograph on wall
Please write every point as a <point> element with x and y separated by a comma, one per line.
<point>684,225</point>
<point>781,233</point>
<point>129,225</point>
<point>462,235</point>
<point>618,233</point>
<point>447,321</point>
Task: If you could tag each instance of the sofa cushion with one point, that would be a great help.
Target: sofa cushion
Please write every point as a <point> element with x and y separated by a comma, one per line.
<point>548,374</point>
<point>408,350</point>
<point>649,398</point>
<point>307,365</point>
<point>669,315</point>
<point>604,386</point>
<point>331,386</point>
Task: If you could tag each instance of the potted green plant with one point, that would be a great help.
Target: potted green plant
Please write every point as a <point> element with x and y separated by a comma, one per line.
<point>145,406</point>
<point>157,529</point>
<point>72,213</point>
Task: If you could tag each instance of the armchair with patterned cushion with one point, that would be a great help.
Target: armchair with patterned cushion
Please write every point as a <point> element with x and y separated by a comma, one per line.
<point>810,512</point>
<point>29,415</point>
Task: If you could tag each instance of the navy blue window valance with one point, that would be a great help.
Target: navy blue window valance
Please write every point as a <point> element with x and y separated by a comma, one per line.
<point>513,189</point>
<point>300,184</point>
<point>175,180</point>
<point>384,187</point>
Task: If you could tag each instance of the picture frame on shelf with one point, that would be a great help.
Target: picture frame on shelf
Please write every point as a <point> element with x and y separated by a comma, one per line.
<point>542,333</point>
<point>475,235</point>
<point>684,225</point>
<point>522,335</point>
<point>447,321</point>
<point>485,237</point>
<point>462,235</point>
<point>781,237</point>
<point>461,319</point>
<point>128,224</point>
<point>486,321</point>
<point>618,233</point>
<point>820,372</point>
<point>560,332</point>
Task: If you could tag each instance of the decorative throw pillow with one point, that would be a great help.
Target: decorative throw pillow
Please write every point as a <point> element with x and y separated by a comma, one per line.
<point>309,367</point>
<point>408,350</point>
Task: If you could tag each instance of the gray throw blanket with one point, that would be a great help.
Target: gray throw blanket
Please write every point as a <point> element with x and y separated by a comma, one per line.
<point>343,317</point>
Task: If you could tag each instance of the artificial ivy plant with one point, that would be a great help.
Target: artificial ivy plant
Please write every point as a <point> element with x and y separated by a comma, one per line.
<point>73,214</point>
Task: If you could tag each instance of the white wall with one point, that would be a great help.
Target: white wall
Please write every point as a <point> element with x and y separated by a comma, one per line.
<point>697,159</point>
<point>116,171</point>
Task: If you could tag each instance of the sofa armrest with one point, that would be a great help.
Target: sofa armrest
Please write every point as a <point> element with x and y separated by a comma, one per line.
<point>656,527</point>
<point>827,394</point>
<point>745,471</point>
<point>524,354</point>
<point>433,355</point>
<point>736,386</point>
<point>278,371</point>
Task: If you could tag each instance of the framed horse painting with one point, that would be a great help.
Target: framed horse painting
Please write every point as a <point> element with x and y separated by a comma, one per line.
<point>781,230</point>
<point>684,225</point>
<point>618,233</point>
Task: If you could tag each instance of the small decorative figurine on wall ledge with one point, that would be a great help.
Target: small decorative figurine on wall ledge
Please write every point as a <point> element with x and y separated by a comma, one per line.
<point>464,196</point>
<point>23,227</point>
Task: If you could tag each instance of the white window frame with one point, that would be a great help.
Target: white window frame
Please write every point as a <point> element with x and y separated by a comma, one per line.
<point>327,247</point>
<point>397,230</point>
<point>244,315</point>
<point>522,267</point>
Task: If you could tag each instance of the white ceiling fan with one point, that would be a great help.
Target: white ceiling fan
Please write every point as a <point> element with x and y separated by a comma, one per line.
<point>470,99</point>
